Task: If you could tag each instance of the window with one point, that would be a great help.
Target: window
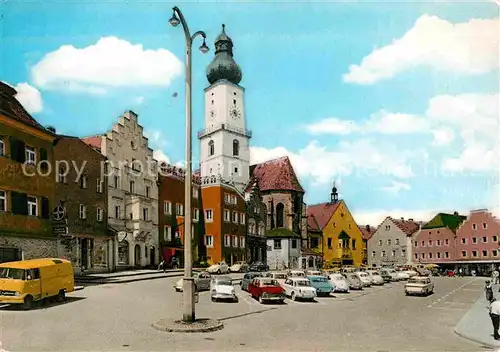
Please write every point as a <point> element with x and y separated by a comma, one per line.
<point>485,253</point>
<point>474,226</point>
<point>30,155</point>
<point>485,239</point>
<point>177,234</point>
<point>32,206</point>
<point>474,254</point>
<point>61,175</point>
<point>353,244</point>
<point>393,253</point>
<point>329,242</point>
<point>280,215</point>
<point>99,214</point>
<point>464,240</point>
<point>430,243</point>
<point>464,254</point>
<point>196,214</point>
<point>374,254</point>
<point>242,219</point>
<point>2,146</point>
<point>227,215</point>
<point>379,242</point>
<point>236,147</point>
<point>209,216</point>
<point>446,241</point>
<point>446,254</point>
<point>167,208</point>
<point>117,212</point>
<point>416,243</point>
<point>423,255</point>
<point>383,253</point>
<point>422,243</point>
<point>179,209</point>
<point>235,241</point>
<point>167,233</point>
<point>211,148</point>
<point>277,244</point>
<point>148,191</point>
<point>3,201</point>
<point>99,185</point>
<point>485,226</point>
<point>403,253</point>
<point>234,101</point>
<point>235,217</point>
<point>415,256</point>
<point>83,181</point>
<point>294,244</point>
<point>145,214</point>
<point>397,241</point>
<point>494,253</point>
<point>132,187</point>
<point>117,181</point>
<point>227,240</point>
<point>242,241</point>
<point>438,254</point>
<point>82,212</point>
<point>387,227</point>
<point>438,242</point>
<point>389,242</point>
<point>495,238</point>
<point>209,241</point>
<point>474,240</point>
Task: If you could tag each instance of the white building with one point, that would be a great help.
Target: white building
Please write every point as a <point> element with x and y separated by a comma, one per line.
<point>283,249</point>
<point>132,192</point>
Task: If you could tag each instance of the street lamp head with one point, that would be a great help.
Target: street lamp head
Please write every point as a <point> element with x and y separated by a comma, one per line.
<point>174,20</point>
<point>204,48</point>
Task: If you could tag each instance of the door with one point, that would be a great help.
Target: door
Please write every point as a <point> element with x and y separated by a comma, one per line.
<point>84,253</point>
<point>137,255</point>
<point>152,253</point>
<point>33,285</point>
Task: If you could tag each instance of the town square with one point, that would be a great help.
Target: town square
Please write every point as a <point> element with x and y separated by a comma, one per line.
<point>249,176</point>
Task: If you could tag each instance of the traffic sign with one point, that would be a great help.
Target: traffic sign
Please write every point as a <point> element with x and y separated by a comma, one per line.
<point>60,230</point>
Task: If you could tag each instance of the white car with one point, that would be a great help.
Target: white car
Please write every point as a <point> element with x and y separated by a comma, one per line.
<point>239,267</point>
<point>280,277</point>
<point>218,268</point>
<point>314,273</point>
<point>376,278</point>
<point>221,288</point>
<point>411,273</point>
<point>394,274</point>
<point>419,285</point>
<point>339,282</point>
<point>298,287</point>
<point>364,277</point>
<point>402,275</point>
<point>201,282</point>
<point>296,273</point>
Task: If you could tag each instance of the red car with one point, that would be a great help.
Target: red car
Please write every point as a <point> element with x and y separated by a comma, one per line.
<point>266,289</point>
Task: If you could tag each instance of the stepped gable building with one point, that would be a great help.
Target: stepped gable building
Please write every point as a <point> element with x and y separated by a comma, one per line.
<point>435,243</point>
<point>341,237</point>
<point>256,213</point>
<point>26,198</point>
<point>367,232</point>
<point>391,244</point>
<point>477,242</point>
<point>283,197</point>
<point>82,198</point>
<point>132,192</point>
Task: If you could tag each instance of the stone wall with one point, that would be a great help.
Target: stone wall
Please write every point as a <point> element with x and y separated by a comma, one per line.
<point>32,248</point>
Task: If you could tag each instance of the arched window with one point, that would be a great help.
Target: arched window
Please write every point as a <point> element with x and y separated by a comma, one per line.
<point>280,215</point>
<point>211,148</point>
<point>236,147</point>
<point>123,252</point>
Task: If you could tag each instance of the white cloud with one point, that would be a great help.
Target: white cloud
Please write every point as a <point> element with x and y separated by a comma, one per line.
<point>396,187</point>
<point>29,97</point>
<point>156,139</point>
<point>111,62</point>
<point>443,136</point>
<point>375,217</point>
<point>463,48</point>
<point>332,125</point>
<point>159,155</point>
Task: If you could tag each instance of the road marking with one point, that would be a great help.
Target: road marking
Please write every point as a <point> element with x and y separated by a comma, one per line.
<point>249,300</point>
<point>449,308</point>
<point>451,292</point>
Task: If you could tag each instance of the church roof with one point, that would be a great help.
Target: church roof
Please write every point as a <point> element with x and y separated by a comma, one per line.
<point>312,224</point>
<point>223,66</point>
<point>93,141</point>
<point>274,175</point>
<point>322,212</point>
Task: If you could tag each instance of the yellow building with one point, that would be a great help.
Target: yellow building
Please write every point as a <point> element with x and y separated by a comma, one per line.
<point>341,237</point>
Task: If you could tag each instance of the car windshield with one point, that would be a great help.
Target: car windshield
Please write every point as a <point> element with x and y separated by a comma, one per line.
<point>337,277</point>
<point>269,283</point>
<point>11,273</point>
<point>375,273</point>
<point>221,263</point>
<point>319,279</point>
<point>224,282</point>
<point>280,276</point>
<point>353,276</point>
<point>414,280</point>
<point>363,274</point>
<point>302,282</point>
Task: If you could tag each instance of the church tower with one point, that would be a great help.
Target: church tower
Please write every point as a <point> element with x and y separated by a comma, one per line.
<point>225,140</point>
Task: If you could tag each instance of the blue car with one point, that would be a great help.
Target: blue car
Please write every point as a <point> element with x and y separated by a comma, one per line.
<point>322,285</point>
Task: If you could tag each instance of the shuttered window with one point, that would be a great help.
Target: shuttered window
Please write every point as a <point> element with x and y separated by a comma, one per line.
<point>19,203</point>
<point>17,149</point>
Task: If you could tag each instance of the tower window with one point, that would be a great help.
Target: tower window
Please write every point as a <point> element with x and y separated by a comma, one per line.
<point>211,148</point>
<point>280,215</point>
<point>234,93</point>
<point>236,147</point>
<point>212,102</point>
<point>234,101</point>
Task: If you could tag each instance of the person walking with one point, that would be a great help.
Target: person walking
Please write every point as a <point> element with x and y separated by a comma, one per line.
<point>495,276</point>
<point>488,288</point>
<point>495,316</point>
<point>161,266</point>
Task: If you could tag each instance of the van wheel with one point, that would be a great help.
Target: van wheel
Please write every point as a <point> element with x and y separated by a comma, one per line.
<point>61,297</point>
<point>28,302</point>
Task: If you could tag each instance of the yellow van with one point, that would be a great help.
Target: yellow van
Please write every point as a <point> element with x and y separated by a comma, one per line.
<point>26,281</point>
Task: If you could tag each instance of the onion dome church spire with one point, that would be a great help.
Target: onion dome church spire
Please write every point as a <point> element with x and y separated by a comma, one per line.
<point>223,66</point>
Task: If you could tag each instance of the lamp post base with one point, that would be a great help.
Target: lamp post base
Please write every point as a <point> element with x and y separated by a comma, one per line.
<point>199,325</point>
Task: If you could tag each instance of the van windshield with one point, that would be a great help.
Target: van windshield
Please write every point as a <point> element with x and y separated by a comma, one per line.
<point>11,273</point>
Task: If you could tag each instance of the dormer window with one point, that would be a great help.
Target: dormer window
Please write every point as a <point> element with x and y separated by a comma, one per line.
<point>211,148</point>
<point>236,147</point>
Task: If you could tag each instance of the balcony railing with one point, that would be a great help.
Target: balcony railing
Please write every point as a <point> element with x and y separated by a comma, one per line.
<point>225,127</point>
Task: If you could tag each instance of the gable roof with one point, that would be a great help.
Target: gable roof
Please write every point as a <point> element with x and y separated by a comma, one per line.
<point>93,141</point>
<point>367,231</point>
<point>275,175</point>
<point>409,227</point>
<point>312,224</point>
<point>451,221</point>
<point>322,212</point>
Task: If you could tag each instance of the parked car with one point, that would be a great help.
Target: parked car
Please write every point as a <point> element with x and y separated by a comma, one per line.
<point>339,282</point>
<point>201,282</point>
<point>258,266</point>
<point>402,275</point>
<point>218,268</point>
<point>239,267</point>
<point>365,279</point>
<point>375,277</point>
<point>296,273</point>
<point>322,285</point>
<point>314,273</point>
<point>354,281</point>
<point>389,273</point>
<point>266,289</point>
<point>221,288</point>
<point>249,276</point>
<point>280,277</point>
<point>411,273</point>
<point>419,285</point>
<point>299,287</point>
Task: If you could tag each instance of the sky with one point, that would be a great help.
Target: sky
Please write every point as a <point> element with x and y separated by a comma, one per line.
<point>395,102</point>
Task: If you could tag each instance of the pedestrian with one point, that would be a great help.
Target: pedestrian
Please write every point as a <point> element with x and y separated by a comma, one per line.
<point>495,316</point>
<point>175,262</point>
<point>495,276</point>
<point>460,272</point>
<point>488,288</point>
<point>473,272</point>
<point>161,266</point>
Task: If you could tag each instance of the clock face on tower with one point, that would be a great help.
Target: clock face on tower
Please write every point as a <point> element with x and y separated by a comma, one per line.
<point>234,112</point>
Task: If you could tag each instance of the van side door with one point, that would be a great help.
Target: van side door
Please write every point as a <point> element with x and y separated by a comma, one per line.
<point>33,284</point>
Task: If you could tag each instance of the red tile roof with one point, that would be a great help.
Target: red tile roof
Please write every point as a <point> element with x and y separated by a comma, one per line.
<point>409,227</point>
<point>275,175</point>
<point>93,141</point>
<point>367,231</point>
<point>322,212</point>
<point>312,224</point>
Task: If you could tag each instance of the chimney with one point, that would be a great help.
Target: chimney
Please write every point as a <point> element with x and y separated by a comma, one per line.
<point>410,219</point>
<point>368,228</point>
<point>402,219</point>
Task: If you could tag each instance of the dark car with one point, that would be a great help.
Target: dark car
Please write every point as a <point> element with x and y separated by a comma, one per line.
<point>385,275</point>
<point>258,266</point>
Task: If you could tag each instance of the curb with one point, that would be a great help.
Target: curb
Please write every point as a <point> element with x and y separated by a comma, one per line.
<point>200,326</point>
<point>117,282</point>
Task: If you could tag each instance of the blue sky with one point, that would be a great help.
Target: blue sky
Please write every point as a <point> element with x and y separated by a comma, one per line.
<point>366,93</point>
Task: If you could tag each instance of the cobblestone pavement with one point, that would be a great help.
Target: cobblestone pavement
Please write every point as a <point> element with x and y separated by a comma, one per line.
<point>119,318</point>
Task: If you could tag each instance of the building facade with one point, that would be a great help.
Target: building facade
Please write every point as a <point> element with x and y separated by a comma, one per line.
<point>27,184</point>
<point>367,233</point>
<point>256,225</point>
<point>435,242</point>
<point>283,249</point>
<point>477,242</point>
<point>81,196</point>
<point>132,192</point>
<point>391,242</point>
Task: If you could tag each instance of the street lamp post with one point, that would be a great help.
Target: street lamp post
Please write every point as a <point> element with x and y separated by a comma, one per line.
<point>188,282</point>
